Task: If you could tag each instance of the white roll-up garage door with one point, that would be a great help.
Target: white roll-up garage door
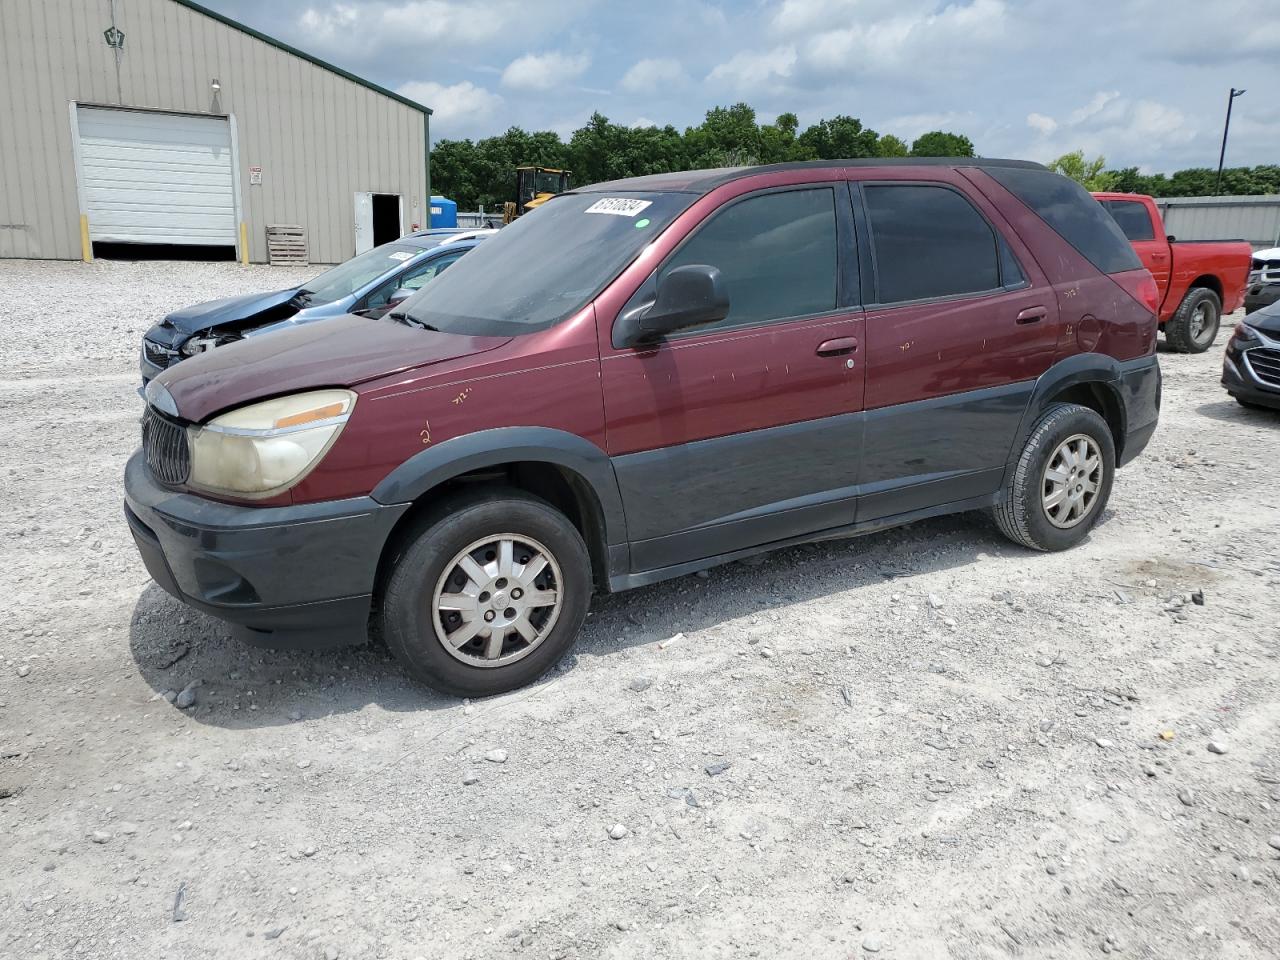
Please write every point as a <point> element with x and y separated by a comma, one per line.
<point>156,177</point>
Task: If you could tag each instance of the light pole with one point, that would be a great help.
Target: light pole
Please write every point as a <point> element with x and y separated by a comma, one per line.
<point>1222,154</point>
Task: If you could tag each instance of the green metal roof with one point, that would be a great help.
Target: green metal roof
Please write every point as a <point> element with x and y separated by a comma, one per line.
<point>279,45</point>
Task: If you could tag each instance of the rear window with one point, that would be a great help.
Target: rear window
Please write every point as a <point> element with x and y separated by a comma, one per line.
<point>1074,215</point>
<point>1133,218</point>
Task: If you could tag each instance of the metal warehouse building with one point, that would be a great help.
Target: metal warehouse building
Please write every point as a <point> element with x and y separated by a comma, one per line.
<point>161,122</point>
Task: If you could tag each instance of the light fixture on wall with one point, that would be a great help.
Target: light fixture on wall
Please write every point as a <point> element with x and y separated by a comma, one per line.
<point>215,85</point>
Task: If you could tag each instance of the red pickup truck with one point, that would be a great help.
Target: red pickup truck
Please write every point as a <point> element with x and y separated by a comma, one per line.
<point>1198,280</point>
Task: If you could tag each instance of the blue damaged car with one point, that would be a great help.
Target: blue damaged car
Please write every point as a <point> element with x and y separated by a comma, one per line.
<point>369,284</point>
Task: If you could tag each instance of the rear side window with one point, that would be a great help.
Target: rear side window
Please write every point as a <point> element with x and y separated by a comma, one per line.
<point>1073,214</point>
<point>1132,217</point>
<point>929,242</point>
<point>776,252</point>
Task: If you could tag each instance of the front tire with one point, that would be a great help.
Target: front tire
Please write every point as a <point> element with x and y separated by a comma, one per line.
<point>1194,326</point>
<point>1061,483</point>
<point>489,594</point>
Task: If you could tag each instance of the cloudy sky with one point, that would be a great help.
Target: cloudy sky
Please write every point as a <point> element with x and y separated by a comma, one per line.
<point>1142,81</point>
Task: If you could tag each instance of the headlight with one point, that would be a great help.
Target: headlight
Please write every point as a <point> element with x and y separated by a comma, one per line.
<point>1244,333</point>
<point>265,448</point>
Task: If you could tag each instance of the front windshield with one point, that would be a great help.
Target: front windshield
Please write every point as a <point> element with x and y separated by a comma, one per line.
<point>546,265</point>
<point>346,278</point>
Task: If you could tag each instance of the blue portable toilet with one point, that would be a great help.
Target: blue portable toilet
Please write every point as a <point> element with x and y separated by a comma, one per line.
<point>444,212</point>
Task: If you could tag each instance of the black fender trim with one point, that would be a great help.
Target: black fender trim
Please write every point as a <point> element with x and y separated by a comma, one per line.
<point>490,448</point>
<point>1081,368</point>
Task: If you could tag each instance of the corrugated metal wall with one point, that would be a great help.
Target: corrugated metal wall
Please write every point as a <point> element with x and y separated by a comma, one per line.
<point>319,137</point>
<point>1256,219</point>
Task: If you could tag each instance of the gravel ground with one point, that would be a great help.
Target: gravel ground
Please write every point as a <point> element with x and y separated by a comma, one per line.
<point>923,743</point>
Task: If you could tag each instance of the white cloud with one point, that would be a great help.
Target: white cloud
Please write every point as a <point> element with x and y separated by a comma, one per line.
<point>340,25</point>
<point>906,39</point>
<point>544,71</point>
<point>750,69</point>
<point>1113,125</point>
<point>641,123</point>
<point>1096,106</point>
<point>648,75</point>
<point>462,101</point>
<point>1044,124</point>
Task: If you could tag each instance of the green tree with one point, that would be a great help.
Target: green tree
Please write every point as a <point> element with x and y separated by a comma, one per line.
<point>777,139</point>
<point>1089,173</point>
<point>727,137</point>
<point>891,146</point>
<point>839,138</point>
<point>939,143</point>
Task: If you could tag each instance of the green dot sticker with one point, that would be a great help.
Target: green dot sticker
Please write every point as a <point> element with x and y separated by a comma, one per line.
<point>642,223</point>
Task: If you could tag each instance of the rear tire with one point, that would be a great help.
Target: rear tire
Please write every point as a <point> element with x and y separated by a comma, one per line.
<point>489,593</point>
<point>1061,483</point>
<point>1194,326</point>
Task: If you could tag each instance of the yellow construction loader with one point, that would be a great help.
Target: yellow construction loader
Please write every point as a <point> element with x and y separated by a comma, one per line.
<point>534,187</point>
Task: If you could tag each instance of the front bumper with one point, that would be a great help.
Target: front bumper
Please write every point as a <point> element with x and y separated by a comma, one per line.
<point>1243,384</point>
<point>298,576</point>
<point>1261,295</point>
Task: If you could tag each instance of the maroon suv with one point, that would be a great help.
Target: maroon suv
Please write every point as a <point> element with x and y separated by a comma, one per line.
<point>645,378</point>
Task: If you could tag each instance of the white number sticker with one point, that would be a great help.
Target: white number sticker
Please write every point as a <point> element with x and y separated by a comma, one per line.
<point>619,206</point>
<point>400,255</point>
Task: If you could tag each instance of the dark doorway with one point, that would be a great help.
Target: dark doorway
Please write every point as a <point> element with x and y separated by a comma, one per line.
<point>104,250</point>
<point>386,218</point>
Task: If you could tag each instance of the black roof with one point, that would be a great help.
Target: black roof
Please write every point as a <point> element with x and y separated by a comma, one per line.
<point>704,181</point>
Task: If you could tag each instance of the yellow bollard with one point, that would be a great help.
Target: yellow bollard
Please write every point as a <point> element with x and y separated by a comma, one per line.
<point>244,244</point>
<point>86,248</point>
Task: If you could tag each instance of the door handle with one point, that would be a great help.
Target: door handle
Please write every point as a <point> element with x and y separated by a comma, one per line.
<point>836,347</point>
<point>1032,315</point>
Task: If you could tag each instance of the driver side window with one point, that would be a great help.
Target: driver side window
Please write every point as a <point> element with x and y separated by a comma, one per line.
<point>776,252</point>
<point>412,279</point>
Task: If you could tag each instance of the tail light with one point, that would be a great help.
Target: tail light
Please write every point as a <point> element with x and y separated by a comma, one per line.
<point>1140,285</point>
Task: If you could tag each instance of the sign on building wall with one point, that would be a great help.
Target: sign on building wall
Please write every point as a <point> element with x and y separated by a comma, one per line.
<point>255,176</point>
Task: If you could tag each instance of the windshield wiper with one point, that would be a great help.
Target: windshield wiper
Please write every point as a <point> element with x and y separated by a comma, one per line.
<point>412,321</point>
<point>303,296</point>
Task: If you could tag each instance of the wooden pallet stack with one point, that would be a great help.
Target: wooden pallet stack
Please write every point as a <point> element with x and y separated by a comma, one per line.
<point>286,245</point>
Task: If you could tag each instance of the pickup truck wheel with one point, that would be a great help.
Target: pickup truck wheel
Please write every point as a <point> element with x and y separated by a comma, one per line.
<point>488,597</point>
<point>1194,326</point>
<point>1060,485</point>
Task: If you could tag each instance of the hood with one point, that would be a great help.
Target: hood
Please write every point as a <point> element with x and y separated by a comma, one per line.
<point>1267,320</point>
<point>338,352</point>
<point>204,316</point>
<point>1271,253</point>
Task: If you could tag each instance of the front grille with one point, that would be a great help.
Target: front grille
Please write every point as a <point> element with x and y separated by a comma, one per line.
<point>164,444</point>
<point>1265,364</point>
<point>1265,271</point>
<point>158,353</point>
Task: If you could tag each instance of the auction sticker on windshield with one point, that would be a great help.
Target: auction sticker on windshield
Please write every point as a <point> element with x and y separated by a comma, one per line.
<point>400,255</point>
<point>618,206</point>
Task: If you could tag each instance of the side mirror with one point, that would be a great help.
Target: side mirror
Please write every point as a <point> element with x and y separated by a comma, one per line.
<point>399,295</point>
<point>1171,238</point>
<point>688,296</point>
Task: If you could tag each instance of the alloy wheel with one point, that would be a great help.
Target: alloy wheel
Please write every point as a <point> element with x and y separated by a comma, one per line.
<point>1201,321</point>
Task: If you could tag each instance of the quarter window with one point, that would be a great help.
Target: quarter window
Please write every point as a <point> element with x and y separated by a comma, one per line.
<point>929,242</point>
<point>776,252</point>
